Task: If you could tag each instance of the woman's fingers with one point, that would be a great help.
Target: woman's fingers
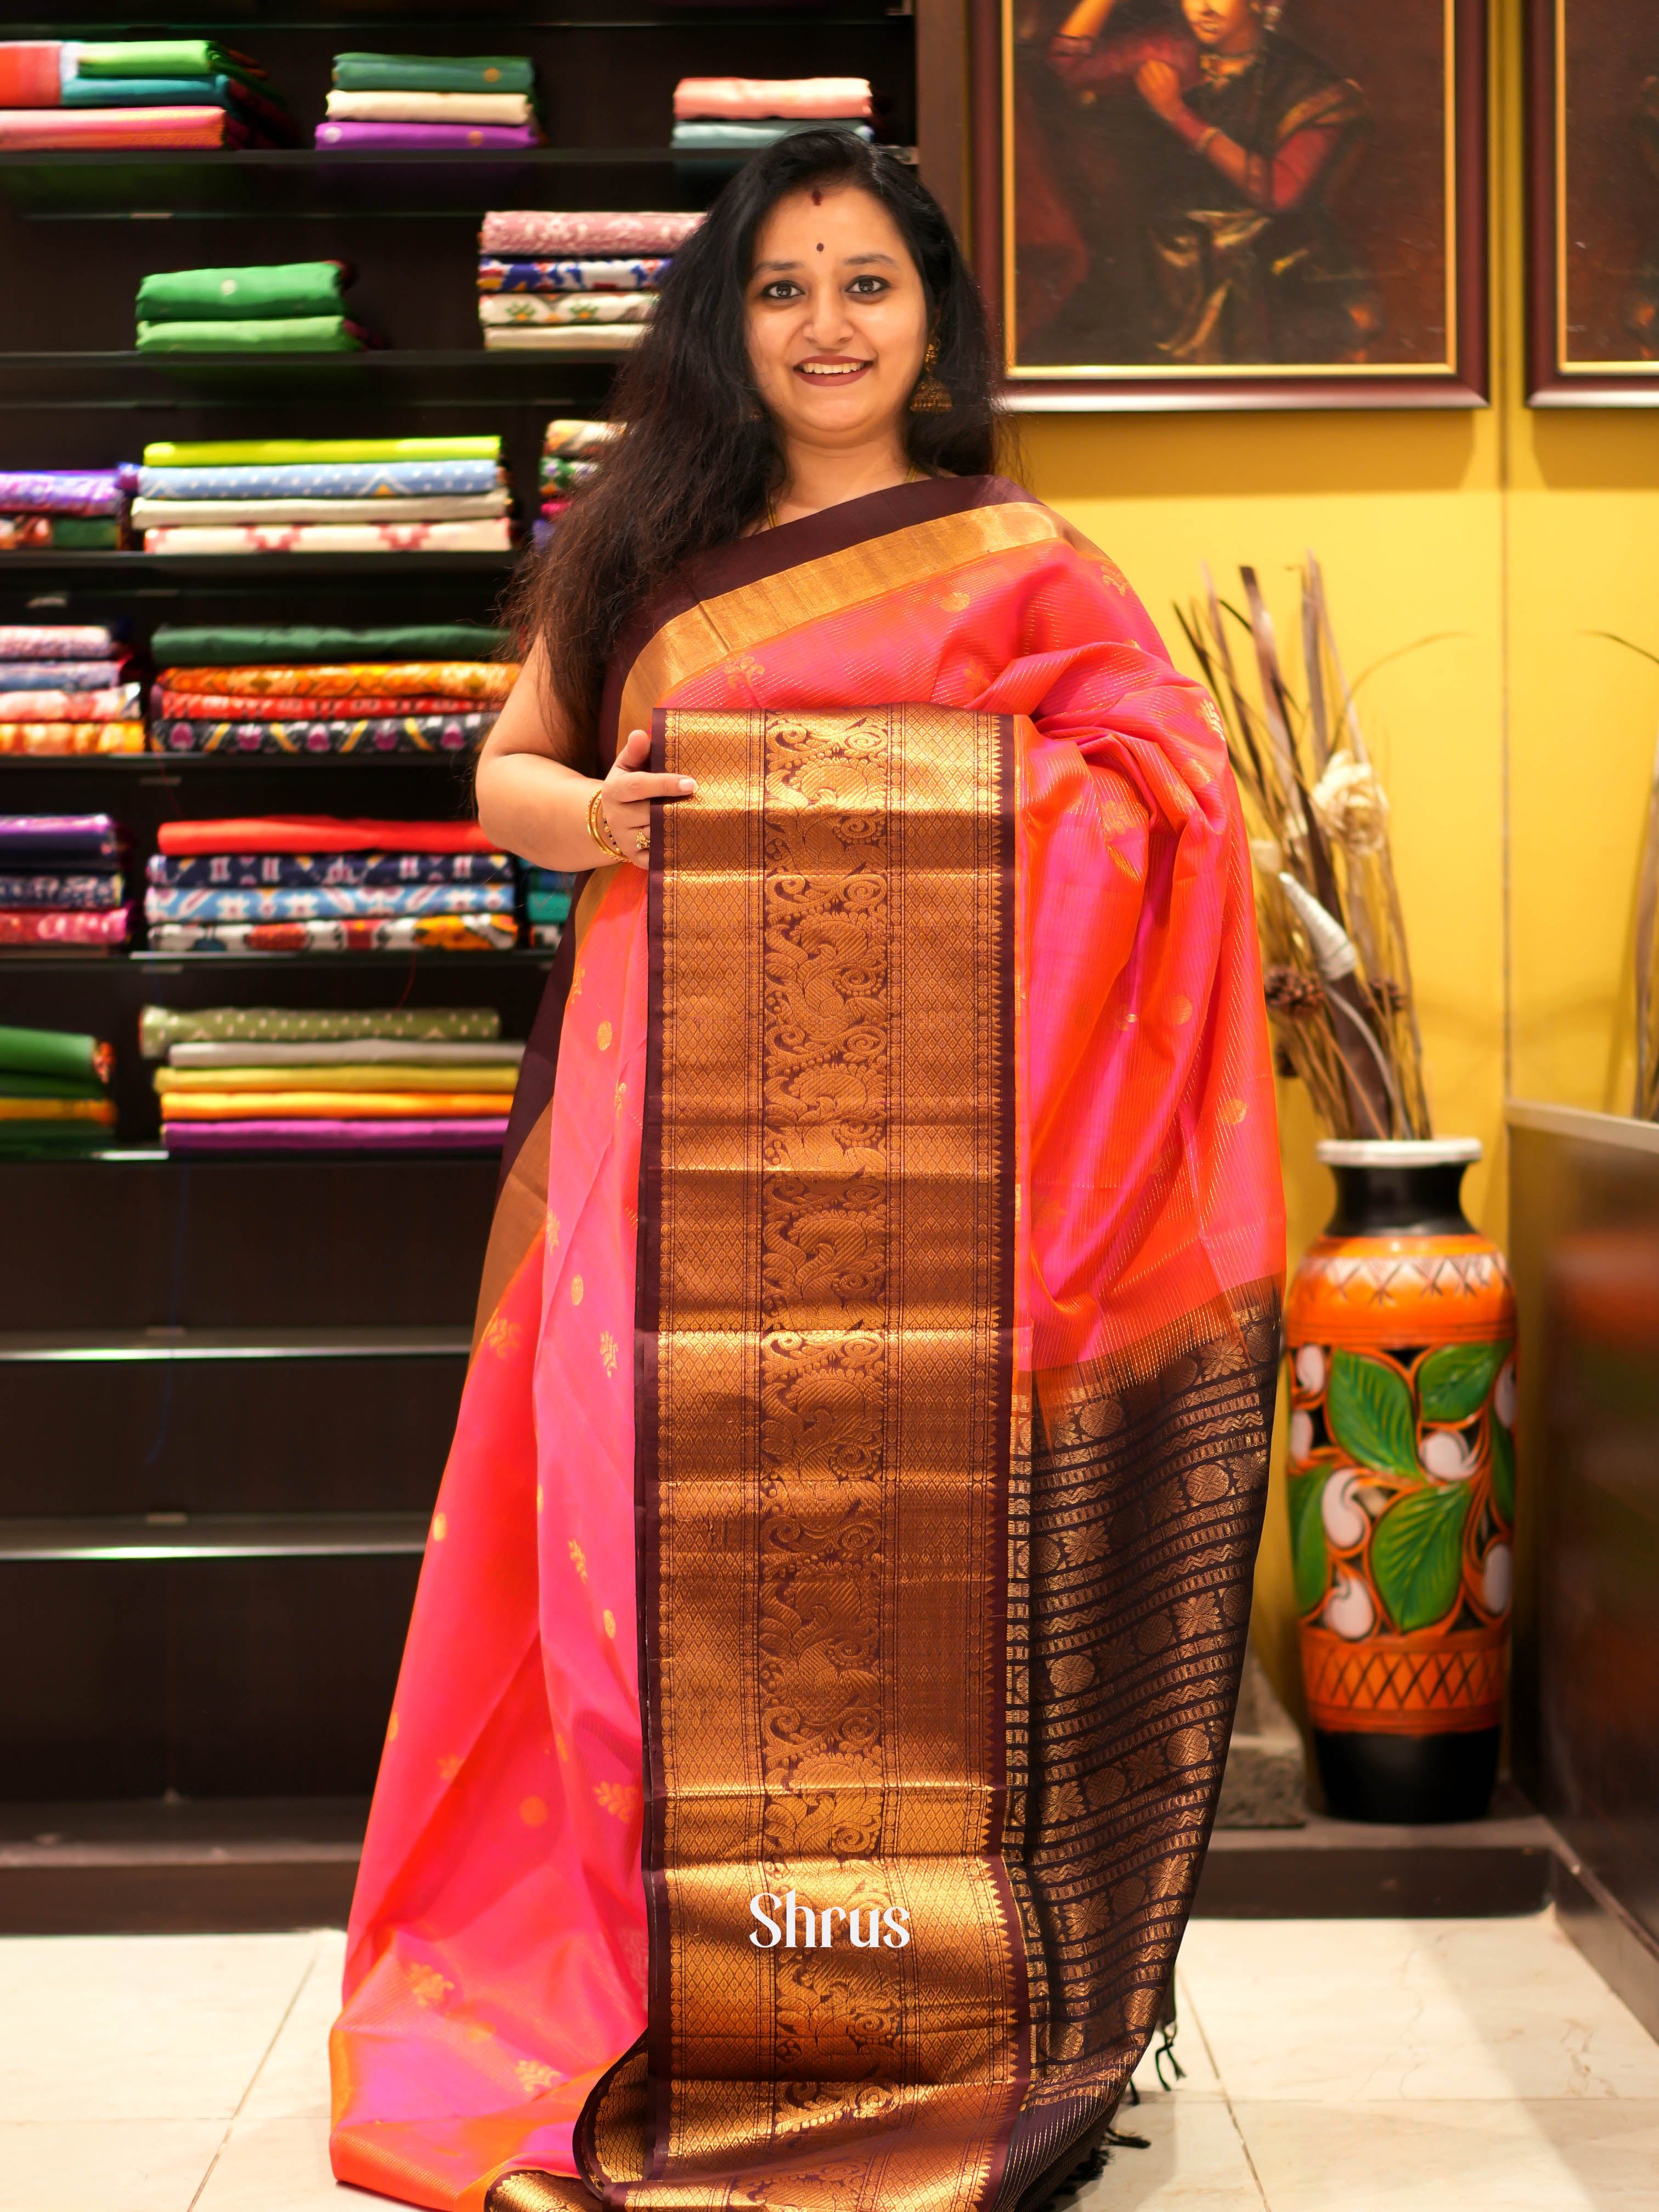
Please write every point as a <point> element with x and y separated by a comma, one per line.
<point>629,788</point>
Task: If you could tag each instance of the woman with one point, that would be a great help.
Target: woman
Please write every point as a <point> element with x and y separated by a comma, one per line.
<point>884,1286</point>
<point>1247,262</point>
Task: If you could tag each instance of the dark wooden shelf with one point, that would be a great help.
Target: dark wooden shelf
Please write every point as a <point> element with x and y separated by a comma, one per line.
<point>385,376</point>
<point>213,1536</point>
<point>135,569</point>
<point>58,1347</point>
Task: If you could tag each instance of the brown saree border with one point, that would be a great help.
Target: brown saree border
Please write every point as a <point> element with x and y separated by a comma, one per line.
<point>943,2139</point>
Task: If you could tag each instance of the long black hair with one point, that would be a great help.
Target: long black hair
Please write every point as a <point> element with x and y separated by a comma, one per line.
<point>700,455</point>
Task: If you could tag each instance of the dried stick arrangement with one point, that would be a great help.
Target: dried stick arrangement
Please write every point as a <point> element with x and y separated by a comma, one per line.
<point>1337,977</point>
<point>1647,960</point>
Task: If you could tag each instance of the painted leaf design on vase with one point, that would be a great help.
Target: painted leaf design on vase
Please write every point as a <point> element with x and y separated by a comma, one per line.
<point>1454,1379</point>
<point>1368,1409</point>
<point>1417,1554</point>
<point>1308,1560</point>
<point>1503,1470</point>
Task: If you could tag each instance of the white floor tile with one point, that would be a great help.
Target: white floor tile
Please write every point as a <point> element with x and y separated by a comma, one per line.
<point>280,2165</point>
<point>1559,2155</point>
<point>1197,2076</point>
<point>104,2166</point>
<point>1194,2162</point>
<point>142,2027</point>
<point>294,2078</point>
<point>1393,2011</point>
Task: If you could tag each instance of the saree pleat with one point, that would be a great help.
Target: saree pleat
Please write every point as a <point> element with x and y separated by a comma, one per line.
<point>735,1374</point>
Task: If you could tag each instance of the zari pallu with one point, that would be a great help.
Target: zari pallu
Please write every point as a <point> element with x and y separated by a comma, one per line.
<point>824,1657</point>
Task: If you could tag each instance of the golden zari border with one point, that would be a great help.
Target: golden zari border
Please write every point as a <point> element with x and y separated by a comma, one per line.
<point>837,2011</point>
<point>739,620</point>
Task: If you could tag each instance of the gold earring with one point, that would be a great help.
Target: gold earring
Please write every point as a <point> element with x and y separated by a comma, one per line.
<point>930,396</point>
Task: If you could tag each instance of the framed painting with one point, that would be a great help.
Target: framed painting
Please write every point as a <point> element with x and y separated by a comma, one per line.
<point>1593,203</point>
<point>1203,204</point>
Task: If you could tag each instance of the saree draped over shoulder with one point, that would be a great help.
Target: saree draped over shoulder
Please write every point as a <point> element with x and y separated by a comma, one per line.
<point>826,1648</point>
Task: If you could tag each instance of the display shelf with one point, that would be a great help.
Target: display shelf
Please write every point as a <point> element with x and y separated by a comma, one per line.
<point>383,376</point>
<point>326,182</point>
<point>136,571</point>
<point>163,763</point>
<point>215,1536</point>
<point>57,1347</point>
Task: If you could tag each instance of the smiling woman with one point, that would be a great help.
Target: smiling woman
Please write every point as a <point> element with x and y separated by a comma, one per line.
<point>852,1509</point>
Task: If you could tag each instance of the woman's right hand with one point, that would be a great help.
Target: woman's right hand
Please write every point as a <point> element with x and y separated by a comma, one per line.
<point>628,792</point>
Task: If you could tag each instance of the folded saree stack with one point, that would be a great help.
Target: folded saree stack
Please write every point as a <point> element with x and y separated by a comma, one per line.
<point>325,495</point>
<point>573,283</point>
<point>436,103</point>
<point>72,93</point>
<point>547,905</point>
<point>289,689</point>
<point>571,450</point>
<point>62,885</point>
<point>54,1092</point>
<point>285,306</point>
<point>282,1078</point>
<point>63,510</point>
<point>67,688</point>
<point>320,884</point>
<point>740,114</point>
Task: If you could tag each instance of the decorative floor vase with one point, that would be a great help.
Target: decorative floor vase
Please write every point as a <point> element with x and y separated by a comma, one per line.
<point>1399,1330</point>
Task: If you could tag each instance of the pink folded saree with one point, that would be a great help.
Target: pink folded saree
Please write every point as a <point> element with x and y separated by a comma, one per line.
<point>39,130</point>
<point>733,99</point>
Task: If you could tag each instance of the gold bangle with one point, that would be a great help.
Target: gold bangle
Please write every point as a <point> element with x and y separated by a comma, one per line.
<point>599,829</point>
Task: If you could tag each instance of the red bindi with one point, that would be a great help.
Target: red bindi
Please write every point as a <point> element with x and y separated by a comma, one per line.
<point>817,197</point>
<point>820,245</point>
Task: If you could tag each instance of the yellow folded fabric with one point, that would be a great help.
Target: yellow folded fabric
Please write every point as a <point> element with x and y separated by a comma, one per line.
<point>326,1105</point>
<point>60,1109</point>
<point>379,1076</point>
<point>71,737</point>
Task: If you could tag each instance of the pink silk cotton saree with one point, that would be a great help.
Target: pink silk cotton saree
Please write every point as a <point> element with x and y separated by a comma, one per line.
<point>825,1653</point>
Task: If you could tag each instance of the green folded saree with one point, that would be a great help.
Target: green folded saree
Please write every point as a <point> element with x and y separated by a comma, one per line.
<point>160,1027</point>
<point>435,73</point>
<point>299,334</point>
<point>14,1086</point>
<point>63,1053</point>
<point>162,58</point>
<point>282,289</point>
<point>173,645</point>
<point>231,453</point>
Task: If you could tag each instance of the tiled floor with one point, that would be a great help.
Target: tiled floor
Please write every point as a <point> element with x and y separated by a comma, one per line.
<point>1332,2066</point>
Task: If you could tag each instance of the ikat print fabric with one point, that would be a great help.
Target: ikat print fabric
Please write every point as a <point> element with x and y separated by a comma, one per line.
<point>387,480</point>
<point>378,733</point>
<point>86,836</point>
<point>309,870</point>
<point>562,307</point>
<point>60,883</point>
<point>66,676</point>
<point>61,491</point>
<point>57,641</point>
<point>467,679</point>
<point>642,273</point>
<point>532,233</point>
<point>335,902</point>
<point>432,932</point>
<point>485,536</point>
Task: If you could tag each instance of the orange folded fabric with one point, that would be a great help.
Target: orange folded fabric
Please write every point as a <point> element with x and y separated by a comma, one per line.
<point>320,833</point>
<point>71,737</point>
<point>393,680</point>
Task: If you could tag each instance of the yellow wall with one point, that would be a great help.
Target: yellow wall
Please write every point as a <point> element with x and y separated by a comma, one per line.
<point>1516,750</point>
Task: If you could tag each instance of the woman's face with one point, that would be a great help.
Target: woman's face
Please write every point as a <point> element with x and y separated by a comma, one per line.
<point>1225,27</point>
<point>837,316</point>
